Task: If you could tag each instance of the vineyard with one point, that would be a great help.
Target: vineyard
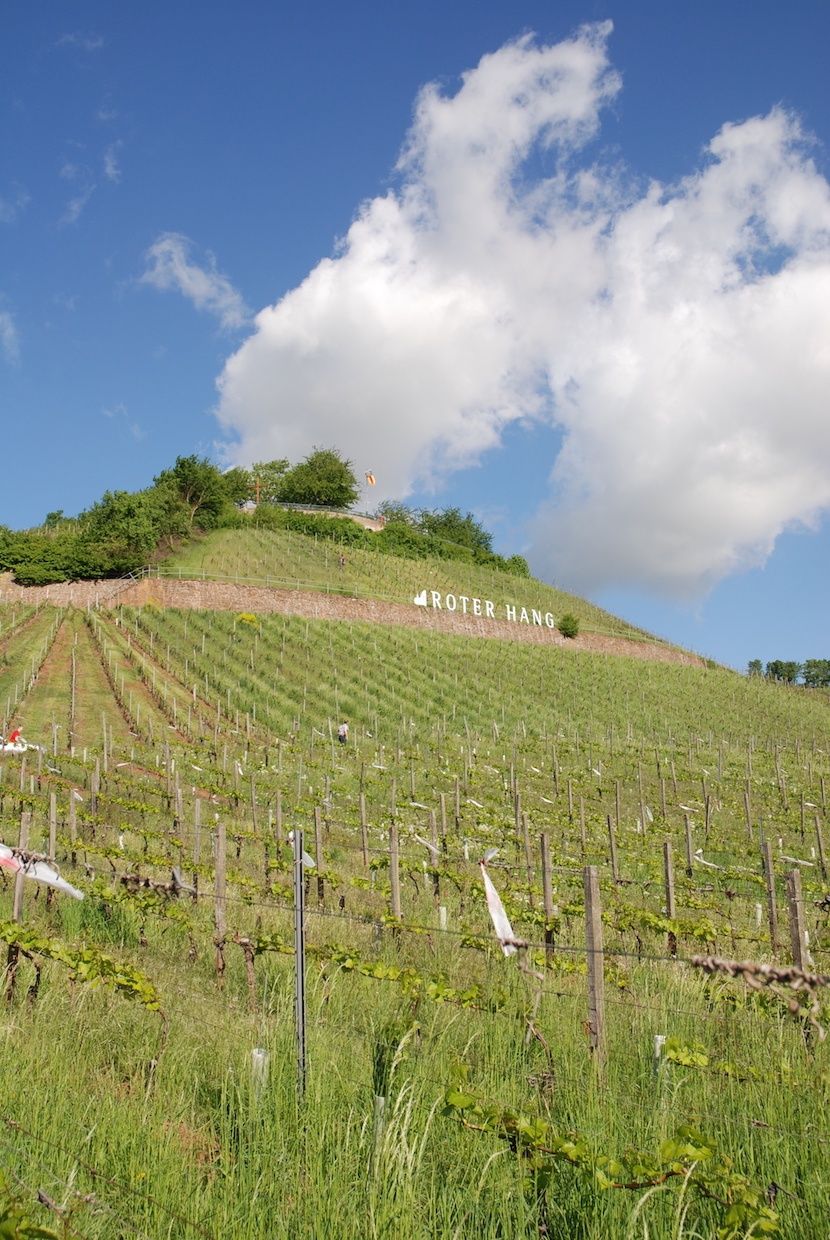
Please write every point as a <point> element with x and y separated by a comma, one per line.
<point>604,1069</point>
<point>281,558</point>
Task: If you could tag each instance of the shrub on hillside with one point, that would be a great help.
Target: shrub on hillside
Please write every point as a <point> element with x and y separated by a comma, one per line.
<point>568,625</point>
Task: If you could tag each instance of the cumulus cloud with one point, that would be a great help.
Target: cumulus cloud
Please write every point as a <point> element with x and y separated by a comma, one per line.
<point>675,334</point>
<point>9,338</point>
<point>170,266</point>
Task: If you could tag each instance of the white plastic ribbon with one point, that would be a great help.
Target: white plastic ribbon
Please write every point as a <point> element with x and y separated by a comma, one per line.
<point>501,922</point>
<point>39,871</point>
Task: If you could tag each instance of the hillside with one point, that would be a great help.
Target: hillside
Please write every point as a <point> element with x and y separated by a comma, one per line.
<point>286,559</point>
<point>198,739</point>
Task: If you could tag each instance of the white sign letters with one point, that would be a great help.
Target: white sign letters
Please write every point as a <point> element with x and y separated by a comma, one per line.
<point>484,607</point>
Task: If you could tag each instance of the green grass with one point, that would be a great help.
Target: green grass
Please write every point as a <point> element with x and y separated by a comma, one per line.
<point>139,1124</point>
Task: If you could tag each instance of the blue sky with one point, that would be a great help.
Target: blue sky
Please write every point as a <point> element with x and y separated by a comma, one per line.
<point>627,384</point>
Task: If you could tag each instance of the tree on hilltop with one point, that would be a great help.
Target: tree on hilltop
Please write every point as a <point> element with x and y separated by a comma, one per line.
<point>266,480</point>
<point>199,486</point>
<point>456,527</point>
<point>324,479</point>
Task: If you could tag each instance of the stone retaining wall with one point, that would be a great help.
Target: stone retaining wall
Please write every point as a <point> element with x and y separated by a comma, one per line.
<point>227,596</point>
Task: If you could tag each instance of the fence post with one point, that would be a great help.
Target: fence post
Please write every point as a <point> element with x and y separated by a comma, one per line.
<point>687,827</point>
<point>612,849</point>
<point>278,820</point>
<point>547,894</point>
<point>668,877</point>
<point>820,843</point>
<point>73,825</point>
<point>796,902</point>
<point>318,854</point>
<point>772,910</point>
<point>394,872</point>
<point>299,963</point>
<point>17,907</point>
<point>197,845</point>
<point>593,948</point>
<point>219,921</point>
<point>433,839</point>
<point>53,825</point>
<point>528,857</point>
<point>364,838</point>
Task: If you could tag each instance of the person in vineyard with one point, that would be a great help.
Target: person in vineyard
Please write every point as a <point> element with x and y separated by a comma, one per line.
<point>343,732</point>
<point>15,737</point>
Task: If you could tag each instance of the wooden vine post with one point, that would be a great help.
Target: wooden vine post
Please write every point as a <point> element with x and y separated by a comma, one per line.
<point>596,977</point>
<point>772,909</point>
<point>364,836</point>
<point>433,839</point>
<point>394,872</point>
<point>547,894</point>
<point>668,878</point>
<point>820,845</point>
<point>197,845</point>
<point>528,857</point>
<point>318,854</point>
<point>795,900</point>
<point>612,849</point>
<point>17,907</point>
<point>219,891</point>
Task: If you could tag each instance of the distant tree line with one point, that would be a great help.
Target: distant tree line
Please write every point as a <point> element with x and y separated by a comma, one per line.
<point>125,530</point>
<point>814,673</point>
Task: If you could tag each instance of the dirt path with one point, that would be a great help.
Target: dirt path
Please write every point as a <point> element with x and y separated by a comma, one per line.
<point>219,596</point>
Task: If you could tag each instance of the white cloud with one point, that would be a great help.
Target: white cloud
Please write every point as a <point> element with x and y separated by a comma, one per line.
<point>9,337</point>
<point>12,204</point>
<point>87,41</point>
<point>169,266</point>
<point>119,413</point>
<point>112,168</point>
<point>76,205</point>
<point>677,335</point>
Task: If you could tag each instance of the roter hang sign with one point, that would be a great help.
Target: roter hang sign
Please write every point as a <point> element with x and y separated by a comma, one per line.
<point>484,607</point>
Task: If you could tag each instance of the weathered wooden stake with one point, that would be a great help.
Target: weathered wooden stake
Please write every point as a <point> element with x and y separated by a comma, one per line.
<point>612,849</point>
<point>795,900</point>
<point>394,872</point>
<point>772,910</point>
<point>596,977</point>
<point>53,825</point>
<point>690,861</point>
<point>547,894</point>
<point>668,878</point>
<point>219,912</point>
<point>364,835</point>
<point>318,854</point>
<point>299,963</point>
<point>820,845</point>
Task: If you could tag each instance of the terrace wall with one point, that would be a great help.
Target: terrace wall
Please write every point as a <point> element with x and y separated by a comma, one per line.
<point>313,605</point>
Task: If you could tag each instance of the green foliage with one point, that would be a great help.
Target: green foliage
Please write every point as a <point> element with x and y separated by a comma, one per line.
<point>816,673</point>
<point>200,488</point>
<point>396,513</point>
<point>323,478</point>
<point>784,670</point>
<point>266,479</point>
<point>451,525</point>
<point>568,625</point>
<point>689,1159</point>
<point>15,1223</point>
<point>755,668</point>
<point>85,964</point>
